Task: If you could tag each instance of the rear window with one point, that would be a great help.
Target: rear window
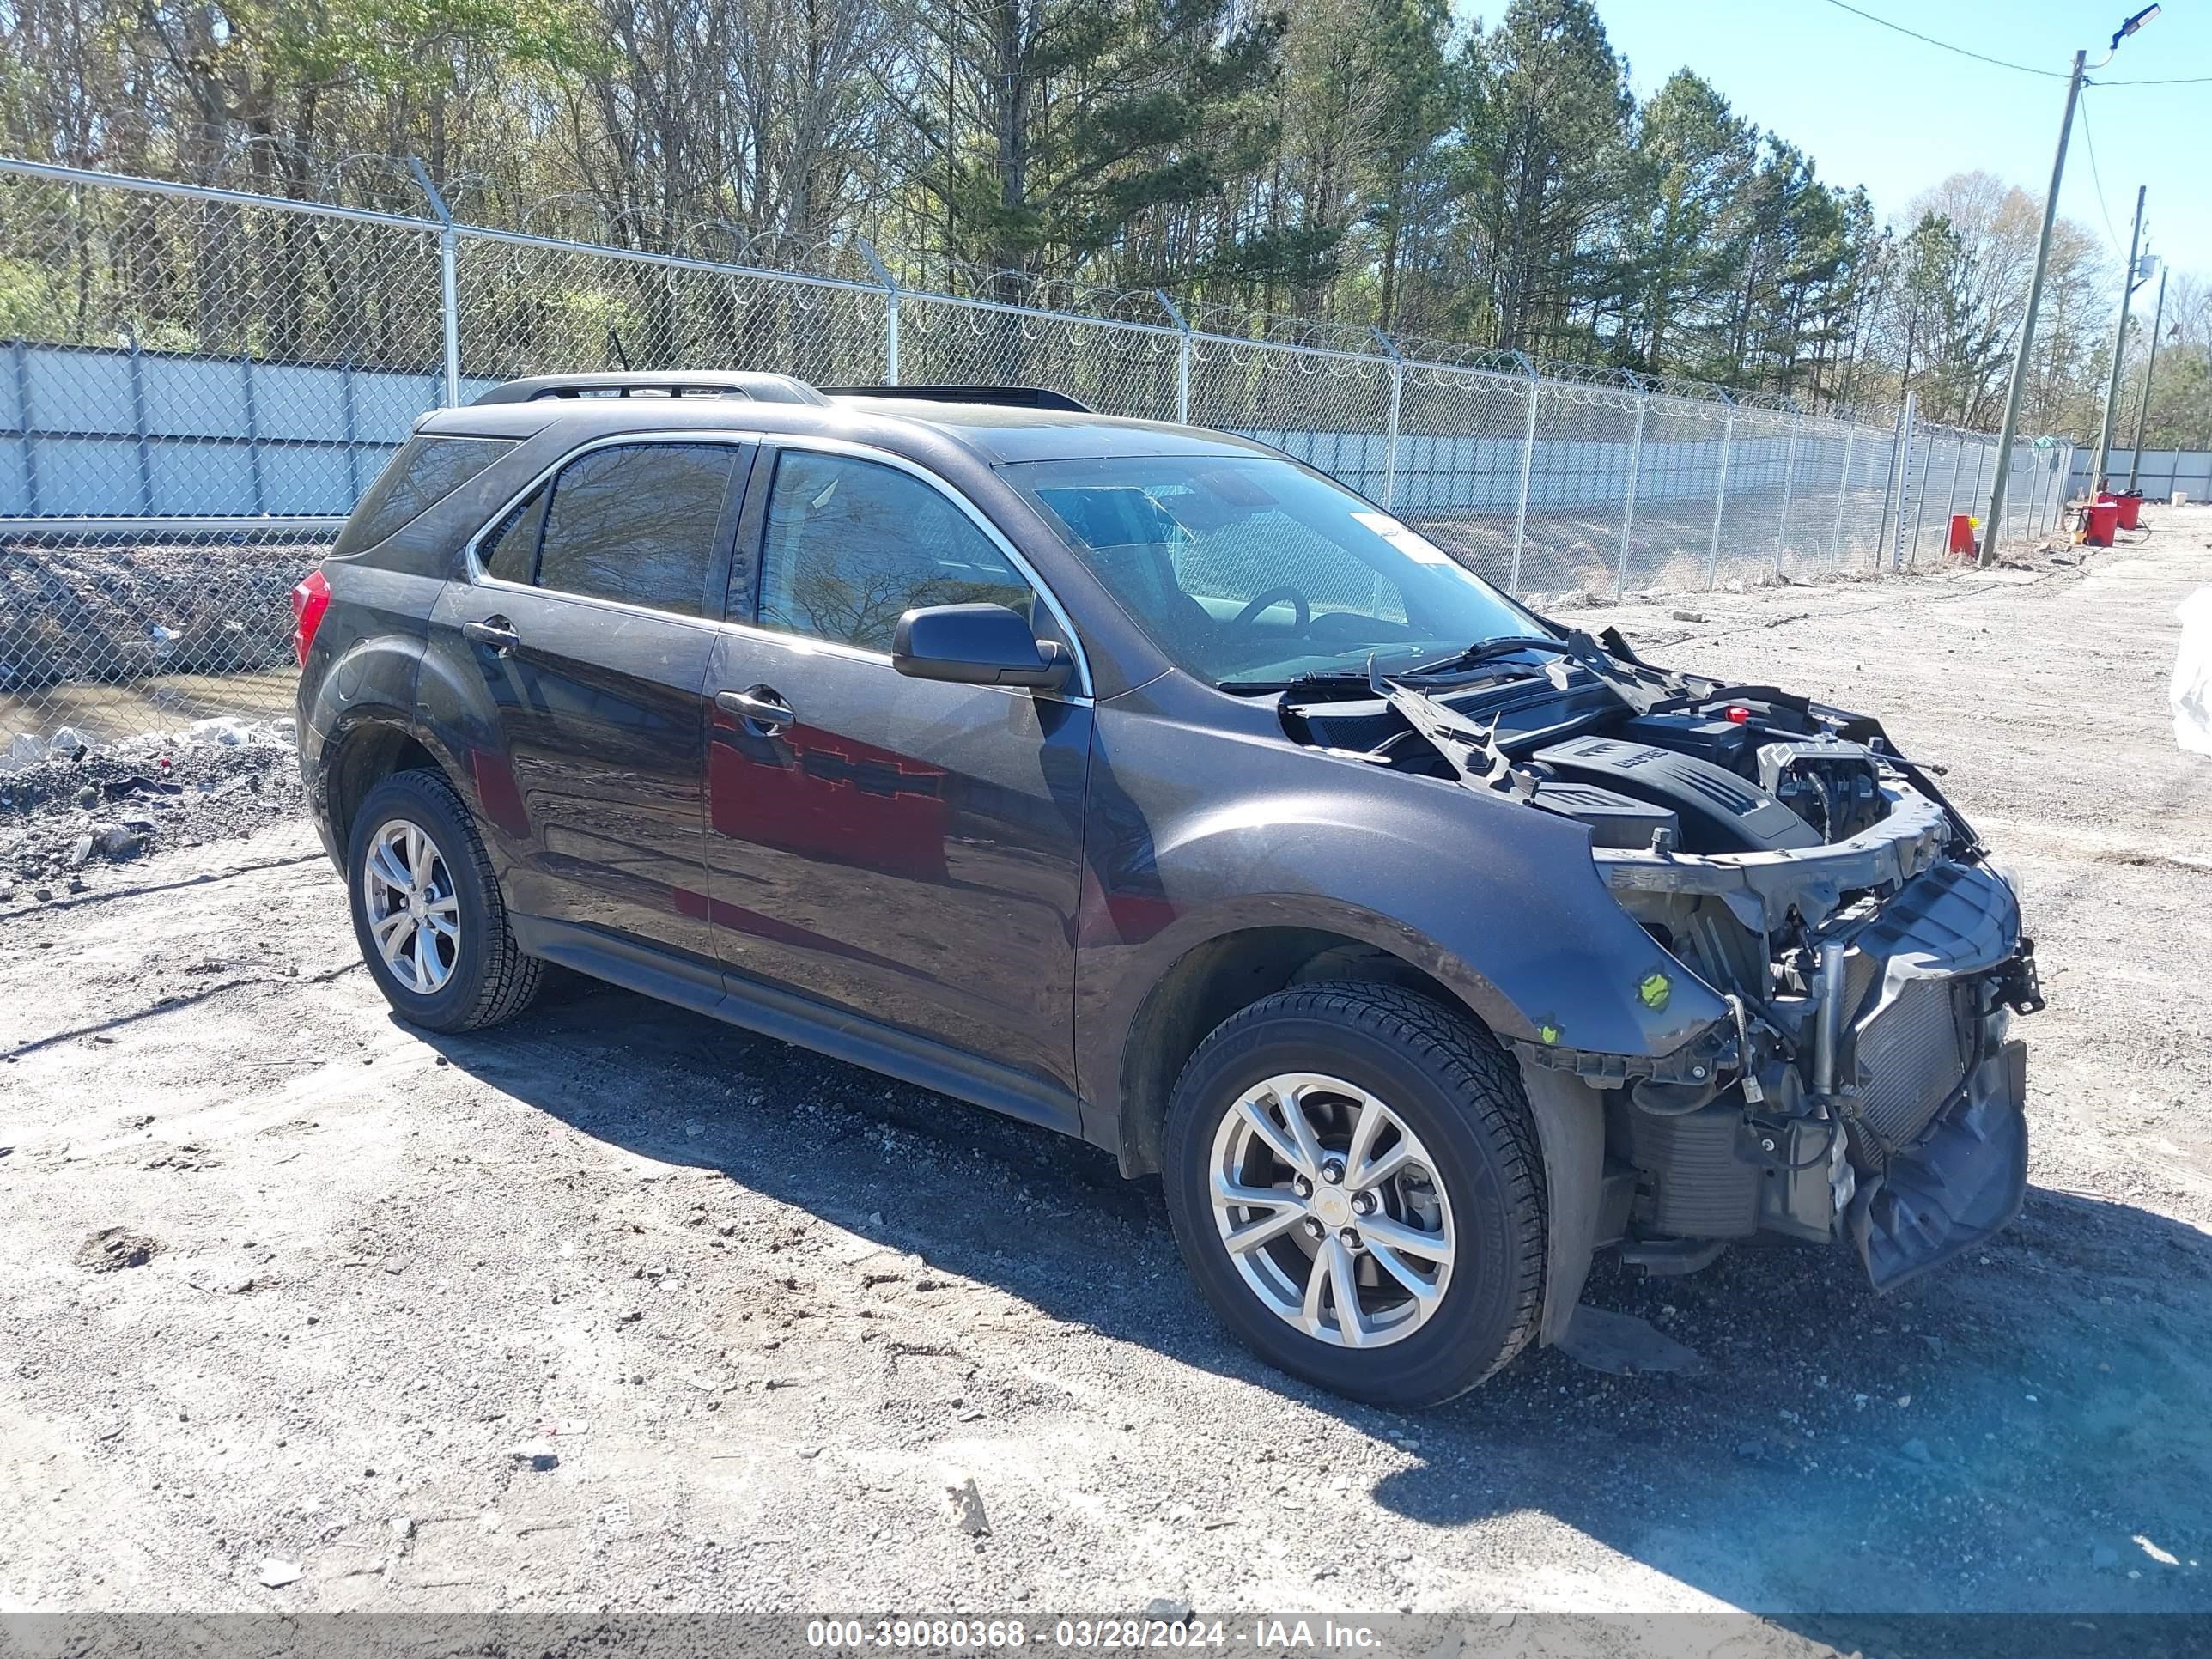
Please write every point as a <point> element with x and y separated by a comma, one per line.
<point>424,472</point>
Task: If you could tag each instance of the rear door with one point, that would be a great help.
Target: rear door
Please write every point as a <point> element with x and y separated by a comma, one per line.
<point>589,612</point>
<point>905,850</point>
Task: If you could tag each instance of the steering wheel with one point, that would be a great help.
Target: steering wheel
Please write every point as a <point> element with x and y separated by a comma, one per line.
<point>1261,602</point>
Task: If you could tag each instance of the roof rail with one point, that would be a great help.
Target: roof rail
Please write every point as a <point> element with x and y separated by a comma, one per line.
<point>656,383</point>
<point>1003,397</point>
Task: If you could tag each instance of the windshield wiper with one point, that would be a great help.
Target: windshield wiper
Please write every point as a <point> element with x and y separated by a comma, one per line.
<point>1359,676</point>
<point>1473,656</point>
<point>1503,646</point>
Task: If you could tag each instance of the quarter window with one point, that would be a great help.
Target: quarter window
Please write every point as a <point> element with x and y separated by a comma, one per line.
<point>851,545</point>
<point>635,524</point>
<point>426,471</point>
<point>510,552</point>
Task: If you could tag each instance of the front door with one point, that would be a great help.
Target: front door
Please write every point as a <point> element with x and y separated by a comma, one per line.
<point>588,613</point>
<point>904,850</point>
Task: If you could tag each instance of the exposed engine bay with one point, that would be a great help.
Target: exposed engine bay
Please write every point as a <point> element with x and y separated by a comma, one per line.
<point>1787,857</point>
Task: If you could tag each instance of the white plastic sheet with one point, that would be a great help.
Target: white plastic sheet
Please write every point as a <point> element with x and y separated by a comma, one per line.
<point>2192,674</point>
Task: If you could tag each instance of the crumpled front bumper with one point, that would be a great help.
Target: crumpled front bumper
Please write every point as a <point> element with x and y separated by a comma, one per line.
<point>1899,1039</point>
<point>1960,1183</point>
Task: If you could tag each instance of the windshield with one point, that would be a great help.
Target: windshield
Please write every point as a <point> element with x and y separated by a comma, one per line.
<point>1251,572</point>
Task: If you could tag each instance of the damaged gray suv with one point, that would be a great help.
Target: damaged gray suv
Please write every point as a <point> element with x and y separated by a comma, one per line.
<point>1143,783</point>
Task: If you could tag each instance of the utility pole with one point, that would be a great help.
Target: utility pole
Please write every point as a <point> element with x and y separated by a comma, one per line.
<point>2142,409</point>
<point>1995,517</point>
<point>2129,283</point>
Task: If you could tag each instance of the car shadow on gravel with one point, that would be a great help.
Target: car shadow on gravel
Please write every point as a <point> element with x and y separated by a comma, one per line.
<point>2028,1429</point>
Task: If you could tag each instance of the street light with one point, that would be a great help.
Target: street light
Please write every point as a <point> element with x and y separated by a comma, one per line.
<point>1995,521</point>
<point>2129,28</point>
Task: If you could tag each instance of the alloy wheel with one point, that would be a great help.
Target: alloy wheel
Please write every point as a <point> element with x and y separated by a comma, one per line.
<point>1331,1209</point>
<point>414,914</point>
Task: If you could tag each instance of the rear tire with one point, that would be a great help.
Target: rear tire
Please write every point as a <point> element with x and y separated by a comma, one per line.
<point>428,912</point>
<point>1446,1282</point>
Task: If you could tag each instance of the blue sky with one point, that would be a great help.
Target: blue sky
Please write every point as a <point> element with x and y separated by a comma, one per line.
<point>1872,107</point>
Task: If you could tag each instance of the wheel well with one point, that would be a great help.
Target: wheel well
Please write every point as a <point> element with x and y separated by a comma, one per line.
<point>370,754</point>
<point>1211,983</point>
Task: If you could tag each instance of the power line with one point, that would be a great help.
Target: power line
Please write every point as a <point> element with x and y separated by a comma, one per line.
<point>2005,64</point>
<point>1931,40</point>
<point>2089,142</point>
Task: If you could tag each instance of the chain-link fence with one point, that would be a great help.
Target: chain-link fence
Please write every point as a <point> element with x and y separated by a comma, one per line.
<point>198,384</point>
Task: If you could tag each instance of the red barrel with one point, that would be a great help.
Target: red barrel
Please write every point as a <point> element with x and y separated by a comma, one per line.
<point>1962,533</point>
<point>2104,515</point>
<point>2131,506</point>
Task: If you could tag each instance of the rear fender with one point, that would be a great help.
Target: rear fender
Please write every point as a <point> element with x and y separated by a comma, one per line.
<point>370,682</point>
<point>457,719</point>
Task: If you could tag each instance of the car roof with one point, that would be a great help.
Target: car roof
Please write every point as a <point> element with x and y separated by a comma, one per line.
<point>995,434</point>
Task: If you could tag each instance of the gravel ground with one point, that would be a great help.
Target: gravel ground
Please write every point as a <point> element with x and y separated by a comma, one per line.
<point>616,1309</point>
<point>106,607</point>
<point>68,818</point>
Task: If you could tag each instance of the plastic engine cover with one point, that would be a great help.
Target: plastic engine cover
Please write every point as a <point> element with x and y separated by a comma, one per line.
<point>1720,812</point>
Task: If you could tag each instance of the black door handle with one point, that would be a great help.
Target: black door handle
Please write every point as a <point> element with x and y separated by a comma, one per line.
<point>496,632</point>
<point>760,709</point>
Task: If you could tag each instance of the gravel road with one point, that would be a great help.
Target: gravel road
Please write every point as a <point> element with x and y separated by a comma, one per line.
<point>617,1309</point>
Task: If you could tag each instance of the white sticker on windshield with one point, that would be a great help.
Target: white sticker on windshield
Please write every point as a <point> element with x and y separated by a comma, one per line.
<point>1407,540</point>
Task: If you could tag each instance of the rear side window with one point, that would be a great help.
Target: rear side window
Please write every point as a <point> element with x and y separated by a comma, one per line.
<point>851,545</point>
<point>636,524</point>
<point>424,472</point>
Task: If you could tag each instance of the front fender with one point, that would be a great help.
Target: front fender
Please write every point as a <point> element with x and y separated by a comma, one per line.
<point>1194,833</point>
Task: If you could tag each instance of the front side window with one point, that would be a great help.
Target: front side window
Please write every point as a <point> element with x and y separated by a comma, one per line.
<point>635,523</point>
<point>850,546</point>
<point>426,471</point>
<point>1249,571</point>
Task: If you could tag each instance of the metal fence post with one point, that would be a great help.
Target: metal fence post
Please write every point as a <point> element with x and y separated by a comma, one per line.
<point>348,400</point>
<point>1982,453</point>
<point>1843,499</point>
<point>1920,499</point>
<point>449,305</point>
<point>1182,356</point>
<point>1893,481</point>
<point>1720,492</point>
<point>19,352</point>
<point>138,425</point>
<point>1788,478</point>
<point>891,308</point>
<point>1397,396</point>
<point>1528,462</point>
<point>448,282</point>
<point>1951,491</point>
<point>1628,505</point>
<point>253,436</point>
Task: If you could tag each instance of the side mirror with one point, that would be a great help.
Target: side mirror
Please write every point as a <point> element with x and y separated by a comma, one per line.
<point>976,645</point>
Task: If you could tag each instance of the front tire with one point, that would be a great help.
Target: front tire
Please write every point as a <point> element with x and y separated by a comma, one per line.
<point>428,912</point>
<point>1355,1182</point>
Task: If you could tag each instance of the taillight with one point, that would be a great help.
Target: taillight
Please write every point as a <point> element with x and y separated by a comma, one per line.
<point>310,598</point>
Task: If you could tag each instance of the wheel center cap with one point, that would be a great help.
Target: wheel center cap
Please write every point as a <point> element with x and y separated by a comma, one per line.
<point>1333,1205</point>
